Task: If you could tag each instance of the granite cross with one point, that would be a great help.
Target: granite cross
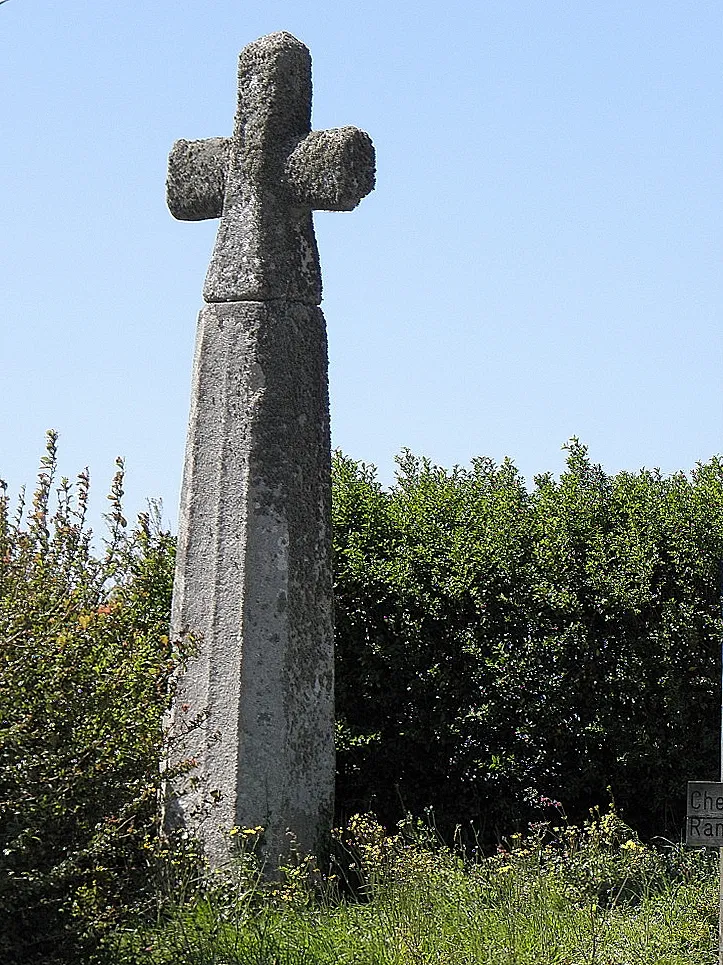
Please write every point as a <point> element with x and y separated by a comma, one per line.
<point>253,575</point>
<point>264,181</point>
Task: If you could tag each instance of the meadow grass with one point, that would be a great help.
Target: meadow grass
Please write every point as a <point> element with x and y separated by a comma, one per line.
<point>562,895</point>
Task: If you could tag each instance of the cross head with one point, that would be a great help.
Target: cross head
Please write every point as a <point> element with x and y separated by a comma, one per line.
<point>265,180</point>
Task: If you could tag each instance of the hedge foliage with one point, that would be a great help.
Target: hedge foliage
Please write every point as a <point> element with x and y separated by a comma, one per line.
<point>493,639</point>
<point>495,644</point>
<point>85,661</point>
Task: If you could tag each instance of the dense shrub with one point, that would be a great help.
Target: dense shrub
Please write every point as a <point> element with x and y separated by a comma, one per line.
<point>84,665</point>
<point>492,639</point>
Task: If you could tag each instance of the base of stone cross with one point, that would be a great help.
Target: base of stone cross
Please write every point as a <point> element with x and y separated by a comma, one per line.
<point>254,586</point>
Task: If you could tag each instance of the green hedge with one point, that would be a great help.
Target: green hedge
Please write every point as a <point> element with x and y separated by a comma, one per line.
<point>84,667</point>
<point>493,639</point>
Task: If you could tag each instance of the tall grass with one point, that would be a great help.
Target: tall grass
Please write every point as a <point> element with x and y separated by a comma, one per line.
<point>561,895</point>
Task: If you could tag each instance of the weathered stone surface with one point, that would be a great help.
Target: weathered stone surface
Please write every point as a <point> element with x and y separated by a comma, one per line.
<point>254,578</point>
<point>253,575</point>
<point>327,171</point>
<point>196,181</point>
<point>274,172</point>
<point>331,170</point>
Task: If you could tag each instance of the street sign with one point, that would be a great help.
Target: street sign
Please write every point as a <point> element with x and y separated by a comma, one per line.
<point>704,819</point>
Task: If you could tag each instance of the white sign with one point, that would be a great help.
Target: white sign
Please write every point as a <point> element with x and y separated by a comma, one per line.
<point>704,820</point>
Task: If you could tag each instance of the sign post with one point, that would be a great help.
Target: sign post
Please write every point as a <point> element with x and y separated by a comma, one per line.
<point>704,814</point>
<point>704,829</point>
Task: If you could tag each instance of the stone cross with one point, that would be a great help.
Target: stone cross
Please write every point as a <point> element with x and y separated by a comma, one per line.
<point>253,575</point>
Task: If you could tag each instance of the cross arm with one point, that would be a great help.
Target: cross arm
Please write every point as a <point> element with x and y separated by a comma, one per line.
<point>327,170</point>
<point>331,170</point>
<point>196,180</point>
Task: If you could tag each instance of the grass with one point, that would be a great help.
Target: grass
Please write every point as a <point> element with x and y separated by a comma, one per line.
<point>562,895</point>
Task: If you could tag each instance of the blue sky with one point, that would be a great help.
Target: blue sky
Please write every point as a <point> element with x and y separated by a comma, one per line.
<point>540,259</point>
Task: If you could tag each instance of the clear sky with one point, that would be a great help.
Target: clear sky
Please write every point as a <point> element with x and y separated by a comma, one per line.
<point>541,257</point>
